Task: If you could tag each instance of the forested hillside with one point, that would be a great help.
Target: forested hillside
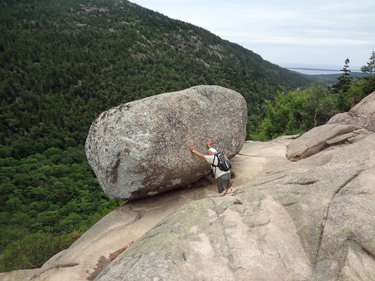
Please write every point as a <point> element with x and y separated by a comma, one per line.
<point>63,62</point>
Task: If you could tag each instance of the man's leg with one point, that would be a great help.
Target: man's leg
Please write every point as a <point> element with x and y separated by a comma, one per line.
<point>227,181</point>
<point>223,182</point>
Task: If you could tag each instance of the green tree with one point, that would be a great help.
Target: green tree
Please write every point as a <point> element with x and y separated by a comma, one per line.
<point>319,106</point>
<point>282,118</point>
<point>369,68</point>
<point>344,80</point>
<point>296,112</point>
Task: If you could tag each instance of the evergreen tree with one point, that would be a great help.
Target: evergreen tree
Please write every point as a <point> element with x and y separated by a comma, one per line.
<point>369,68</point>
<point>344,80</point>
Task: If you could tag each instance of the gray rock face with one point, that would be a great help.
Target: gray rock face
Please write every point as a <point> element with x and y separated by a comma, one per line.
<point>140,148</point>
<point>217,239</point>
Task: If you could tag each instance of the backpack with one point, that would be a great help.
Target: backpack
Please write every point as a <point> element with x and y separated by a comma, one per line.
<point>223,162</point>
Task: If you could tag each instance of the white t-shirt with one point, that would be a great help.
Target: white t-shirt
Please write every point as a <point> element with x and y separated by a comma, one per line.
<point>218,173</point>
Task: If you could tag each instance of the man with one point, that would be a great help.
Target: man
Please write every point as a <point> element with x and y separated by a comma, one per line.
<point>222,177</point>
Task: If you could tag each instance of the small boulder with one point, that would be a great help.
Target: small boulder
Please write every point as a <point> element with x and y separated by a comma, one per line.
<point>140,148</point>
<point>361,115</point>
<point>316,139</point>
<point>348,127</point>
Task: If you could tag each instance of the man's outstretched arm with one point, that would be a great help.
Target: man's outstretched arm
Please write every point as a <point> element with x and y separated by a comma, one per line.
<point>200,155</point>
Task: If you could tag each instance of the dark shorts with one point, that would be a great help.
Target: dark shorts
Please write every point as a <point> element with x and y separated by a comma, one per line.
<point>223,182</point>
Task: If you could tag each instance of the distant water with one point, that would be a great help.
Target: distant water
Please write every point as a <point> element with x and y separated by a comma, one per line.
<point>313,71</point>
<point>316,69</point>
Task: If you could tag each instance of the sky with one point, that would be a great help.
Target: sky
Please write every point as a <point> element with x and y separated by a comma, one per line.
<point>295,33</point>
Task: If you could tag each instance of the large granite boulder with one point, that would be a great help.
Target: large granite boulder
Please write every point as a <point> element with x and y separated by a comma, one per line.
<point>140,148</point>
<point>348,127</point>
<point>322,137</point>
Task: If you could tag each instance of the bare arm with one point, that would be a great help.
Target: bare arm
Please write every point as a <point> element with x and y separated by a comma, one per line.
<point>200,155</point>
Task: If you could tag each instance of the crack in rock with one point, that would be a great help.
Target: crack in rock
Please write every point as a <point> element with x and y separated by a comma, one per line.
<point>113,175</point>
<point>368,251</point>
<point>302,182</point>
<point>55,267</point>
<point>230,256</point>
<point>290,204</point>
<point>325,218</point>
<point>271,180</point>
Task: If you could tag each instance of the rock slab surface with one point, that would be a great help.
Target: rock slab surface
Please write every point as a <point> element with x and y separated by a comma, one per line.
<point>87,257</point>
<point>140,148</point>
<point>306,220</point>
<point>309,220</point>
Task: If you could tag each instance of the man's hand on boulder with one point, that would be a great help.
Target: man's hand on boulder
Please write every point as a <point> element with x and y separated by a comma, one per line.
<point>200,155</point>
<point>208,143</point>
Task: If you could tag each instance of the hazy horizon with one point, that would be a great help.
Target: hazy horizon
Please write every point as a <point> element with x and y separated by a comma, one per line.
<point>317,68</point>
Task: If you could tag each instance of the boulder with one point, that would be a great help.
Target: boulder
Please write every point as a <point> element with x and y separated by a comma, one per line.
<point>346,127</point>
<point>140,148</point>
<point>318,138</point>
<point>361,115</point>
